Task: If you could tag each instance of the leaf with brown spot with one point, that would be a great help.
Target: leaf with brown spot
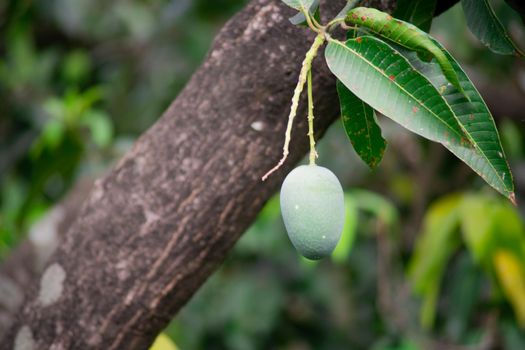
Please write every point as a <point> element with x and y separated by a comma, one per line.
<point>488,158</point>
<point>404,34</point>
<point>361,127</point>
<point>366,70</point>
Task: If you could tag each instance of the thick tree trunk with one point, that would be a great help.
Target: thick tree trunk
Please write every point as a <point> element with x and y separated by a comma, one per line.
<point>158,225</point>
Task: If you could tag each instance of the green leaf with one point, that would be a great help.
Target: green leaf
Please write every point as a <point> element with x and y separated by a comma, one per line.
<point>55,108</point>
<point>476,226</point>
<point>464,286</point>
<point>378,206</point>
<point>163,342</point>
<point>300,20</point>
<point>484,24</point>
<point>344,247</point>
<point>434,247</point>
<point>52,133</point>
<point>511,275</point>
<point>384,79</point>
<point>513,336</point>
<point>360,123</point>
<point>417,12</point>
<point>512,138</point>
<point>100,126</point>
<point>494,234</point>
<point>404,34</point>
<point>488,158</point>
<point>300,5</point>
<point>489,224</point>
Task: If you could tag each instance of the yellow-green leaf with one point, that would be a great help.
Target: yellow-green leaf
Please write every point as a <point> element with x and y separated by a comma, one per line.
<point>434,247</point>
<point>343,248</point>
<point>511,275</point>
<point>163,342</point>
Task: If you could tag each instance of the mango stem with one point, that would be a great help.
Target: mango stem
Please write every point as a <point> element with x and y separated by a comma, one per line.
<point>313,153</point>
<point>306,66</point>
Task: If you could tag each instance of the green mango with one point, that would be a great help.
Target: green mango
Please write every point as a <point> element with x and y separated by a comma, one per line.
<point>313,210</point>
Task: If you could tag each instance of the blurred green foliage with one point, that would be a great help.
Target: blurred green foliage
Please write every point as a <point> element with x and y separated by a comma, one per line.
<point>81,79</point>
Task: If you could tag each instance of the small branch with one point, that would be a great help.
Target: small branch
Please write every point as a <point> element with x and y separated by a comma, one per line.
<point>306,66</point>
<point>312,23</point>
<point>313,153</point>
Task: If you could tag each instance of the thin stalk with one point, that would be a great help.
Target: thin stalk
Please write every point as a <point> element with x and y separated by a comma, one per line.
<point>317,24</point>
<point>313,153</point>
<point>306,66</point>
<point>311,22</point>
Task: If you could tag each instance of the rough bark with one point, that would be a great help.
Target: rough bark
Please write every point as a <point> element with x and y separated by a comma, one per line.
<point>157,226</point>
<point>26,262</point>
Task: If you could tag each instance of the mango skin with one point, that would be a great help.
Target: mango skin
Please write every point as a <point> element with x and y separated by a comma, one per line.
<point>313,210</point>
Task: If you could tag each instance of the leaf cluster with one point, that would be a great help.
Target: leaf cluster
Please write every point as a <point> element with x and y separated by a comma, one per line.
<point>394,67</point>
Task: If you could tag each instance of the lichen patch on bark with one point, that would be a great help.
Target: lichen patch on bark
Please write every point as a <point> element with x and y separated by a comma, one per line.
<point>44,235</point>
<point>24,339</point>
<point>51,285</point>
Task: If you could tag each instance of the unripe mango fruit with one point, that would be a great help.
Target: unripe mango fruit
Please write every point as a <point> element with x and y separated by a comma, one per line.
<point>313,210</point>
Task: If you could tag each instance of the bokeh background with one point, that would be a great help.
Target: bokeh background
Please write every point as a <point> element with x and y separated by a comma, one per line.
<point>430,257</point>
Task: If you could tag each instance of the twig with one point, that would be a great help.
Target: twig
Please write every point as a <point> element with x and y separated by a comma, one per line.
<point>306,66</point>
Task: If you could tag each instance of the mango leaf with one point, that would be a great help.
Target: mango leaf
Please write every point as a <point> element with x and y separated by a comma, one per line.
<point>385,80</point>
<point>100,127</point>
<point>494,234</point>
<point>464,286</point>
<point>417,12</point>
<point>512,139</point>
<point>484,24</point>
<point>434,248</point>
<point>511,275</point>
<point>300,20</point>
<point>509,229</point>
<point>360,124</point>
<point>163,342</point>
<point>404,34</point>
<point>507,252</point>
<point>299,5</point>
<point>476,226</point>
<point>512,336</point>
<point>488,224</point>
<point>488,158</point>
<point>344,247</point>
<point>378,206</point>
<point>52,133</point>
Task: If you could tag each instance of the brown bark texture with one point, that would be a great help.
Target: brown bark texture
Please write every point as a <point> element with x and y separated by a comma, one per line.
<point>25,263</point>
